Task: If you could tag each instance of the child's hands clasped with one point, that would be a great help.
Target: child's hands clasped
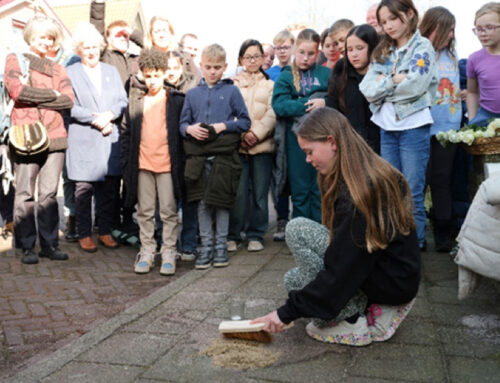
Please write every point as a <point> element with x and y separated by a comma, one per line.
<point>272,322</point>
<point>249,140</point>
<point>315,103</point>
<point>197,131</point>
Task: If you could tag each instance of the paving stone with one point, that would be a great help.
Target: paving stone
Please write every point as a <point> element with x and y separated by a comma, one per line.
<point>470,342</point>
<point>198,300</point>
<point>474,370</point>
<point>94,373</point>
<point>307,371</point>
<point>185,364</point>
<point>215,284</point>
<point>453,314</point>
<point>387,360</point>
<point>129,349</point>
<point>260,258</point>
<point>163,321</point>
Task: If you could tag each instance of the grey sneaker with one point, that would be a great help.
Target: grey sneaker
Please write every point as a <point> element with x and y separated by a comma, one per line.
<point>221,259</point>
<point>279,235</point>
<point>168,262</point>
<point>204,260</point>
<point>144,261</point>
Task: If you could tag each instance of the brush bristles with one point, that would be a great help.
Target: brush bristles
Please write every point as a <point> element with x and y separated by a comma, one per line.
<point>258,336</point>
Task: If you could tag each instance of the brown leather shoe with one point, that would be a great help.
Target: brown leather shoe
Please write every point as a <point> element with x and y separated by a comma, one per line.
<point>107,241</point>
<point>87,244</point>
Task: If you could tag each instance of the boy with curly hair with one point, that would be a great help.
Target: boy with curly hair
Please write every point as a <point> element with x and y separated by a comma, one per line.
<point>152,160</point>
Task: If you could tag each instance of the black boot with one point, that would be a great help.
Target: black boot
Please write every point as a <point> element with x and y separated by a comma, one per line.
<point>70,233</point>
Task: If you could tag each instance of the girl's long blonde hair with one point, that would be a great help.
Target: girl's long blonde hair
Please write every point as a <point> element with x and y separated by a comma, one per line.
<point>304,35</point>
<point>377,189</point>
<point>396,7</point>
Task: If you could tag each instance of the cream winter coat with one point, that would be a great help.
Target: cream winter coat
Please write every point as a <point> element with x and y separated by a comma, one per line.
<point>257,92</point>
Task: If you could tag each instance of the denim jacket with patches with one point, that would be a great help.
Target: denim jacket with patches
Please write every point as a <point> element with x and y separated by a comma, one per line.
<point>417,60</point>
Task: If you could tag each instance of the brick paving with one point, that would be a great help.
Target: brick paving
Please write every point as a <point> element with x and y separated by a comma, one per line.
<point>45,306</point>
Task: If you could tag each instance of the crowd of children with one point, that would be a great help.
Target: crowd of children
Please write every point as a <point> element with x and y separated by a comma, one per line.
<point>216,147</point>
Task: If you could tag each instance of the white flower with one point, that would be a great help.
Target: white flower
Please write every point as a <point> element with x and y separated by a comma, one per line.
<point>468,138</point>
<point>453,136</point>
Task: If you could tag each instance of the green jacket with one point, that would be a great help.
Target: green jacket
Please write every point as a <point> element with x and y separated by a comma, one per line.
<point>287,101</point>
<point>220,188</point>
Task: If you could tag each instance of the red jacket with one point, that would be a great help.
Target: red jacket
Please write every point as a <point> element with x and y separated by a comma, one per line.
<point>45,77</point>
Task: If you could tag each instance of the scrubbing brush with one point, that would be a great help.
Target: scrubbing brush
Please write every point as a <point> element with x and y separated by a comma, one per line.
<point>242,329</point>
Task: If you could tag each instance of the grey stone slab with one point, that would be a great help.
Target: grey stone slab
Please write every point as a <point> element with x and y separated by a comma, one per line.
<point>243,259</point>
<point>470,342</point>
<point>163,321</point>
<point>389,360</point>
<point>130,349</point>
<point>442,294</point>
<point>94,373</point>
<point>269,276</point>
<point>161,295</point>
<point>266,290</point>
<point>194,301</point>
<point>421,308</point>
<point>474,370</point>
<point>215,285</point>
<point>453,315</point>
<point>185,364</point>
<point>234,271</point>
<point>415,330</point>
<point>307,371</point>
<point>281,263</point>
<point>357,379</point>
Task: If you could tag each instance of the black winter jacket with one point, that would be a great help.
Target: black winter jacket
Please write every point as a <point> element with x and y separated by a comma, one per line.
<point>131,138</point>
<point>357,107</point>
<point>389,277</point>
<point>220,188</point>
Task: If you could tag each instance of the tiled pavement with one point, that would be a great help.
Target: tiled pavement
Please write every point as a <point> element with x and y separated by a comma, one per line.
<point>159,338</point>
<point>50,304</point>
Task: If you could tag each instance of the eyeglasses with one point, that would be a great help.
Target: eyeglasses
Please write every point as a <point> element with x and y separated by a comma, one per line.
<point>486,29</point>
<point>282,48</point>
<point>250,58</point>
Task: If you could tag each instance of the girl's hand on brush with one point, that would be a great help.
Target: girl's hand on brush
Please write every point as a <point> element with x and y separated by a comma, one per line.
<point>272,322</point>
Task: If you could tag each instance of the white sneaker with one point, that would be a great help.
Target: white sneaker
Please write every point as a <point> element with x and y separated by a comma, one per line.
<point>187,256</point>
<point>168,262</point>
<point>352,334</point>
<point>279,235</point>
<point>144,262</point>
<point>232,246</point>
<point>384,320</point>
<point>255,246</point>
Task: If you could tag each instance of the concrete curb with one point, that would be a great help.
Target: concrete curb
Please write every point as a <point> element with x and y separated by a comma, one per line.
<point>69,352</point>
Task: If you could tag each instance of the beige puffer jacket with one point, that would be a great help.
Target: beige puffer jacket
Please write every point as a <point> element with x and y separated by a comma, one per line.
<point>257,92</point>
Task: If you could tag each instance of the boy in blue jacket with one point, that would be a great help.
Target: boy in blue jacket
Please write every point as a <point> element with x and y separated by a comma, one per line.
<point>213,117</point>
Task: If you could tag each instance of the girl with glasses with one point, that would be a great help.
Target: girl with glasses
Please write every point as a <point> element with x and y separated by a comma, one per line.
<point>483,76</point>
<point>256,150</point>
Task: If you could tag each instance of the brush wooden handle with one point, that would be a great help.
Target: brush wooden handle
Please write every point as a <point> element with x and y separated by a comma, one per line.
<point>239,326</point>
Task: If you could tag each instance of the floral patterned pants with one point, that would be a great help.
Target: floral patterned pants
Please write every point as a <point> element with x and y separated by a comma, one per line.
<point>308,241</point>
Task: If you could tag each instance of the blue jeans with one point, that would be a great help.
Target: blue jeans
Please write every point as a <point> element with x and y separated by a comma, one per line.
<point>256,171</point>
<point>408,151</point>
<point>482,117</point>
<point>189,232</point>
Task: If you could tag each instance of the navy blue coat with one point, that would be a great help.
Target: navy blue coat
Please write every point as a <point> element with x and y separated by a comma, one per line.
<point>90,155</point>
<point>222,102</point>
